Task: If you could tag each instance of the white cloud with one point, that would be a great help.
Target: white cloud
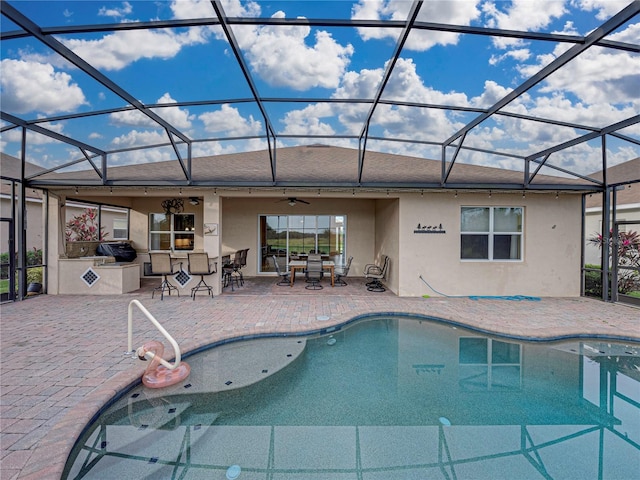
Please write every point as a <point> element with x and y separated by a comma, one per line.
<point>114,51</point>
<point>449,12</point>
<point>131,118</point>
<point>37,87</point>
<point>307,121</point>
<point>135,138</point>
<point>187,9</point>
<point>149,155</point>
<point>34,138</point>
<point>115,12</point>
<point>605,8</point>
<point>229,121</point>
<point>598,75</point>
<point>176,116</point>
<point>524,15</point>
<point>519,54</point>
<point>281,56</point>
<point>179,118</point>
<point>490,96</point>
<point>397,121</point>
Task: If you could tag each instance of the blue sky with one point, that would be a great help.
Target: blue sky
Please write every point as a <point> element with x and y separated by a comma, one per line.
<point>182,65</point>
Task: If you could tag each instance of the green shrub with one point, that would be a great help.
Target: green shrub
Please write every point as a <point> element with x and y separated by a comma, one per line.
<point>34,275</point>
<point>593,281</point>
<point>34,257</point>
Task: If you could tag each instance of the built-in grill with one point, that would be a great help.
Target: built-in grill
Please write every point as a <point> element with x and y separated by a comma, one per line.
<point>121,251</point>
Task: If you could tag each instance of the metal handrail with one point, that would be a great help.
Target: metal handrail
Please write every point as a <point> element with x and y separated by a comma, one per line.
<point>162,330</point>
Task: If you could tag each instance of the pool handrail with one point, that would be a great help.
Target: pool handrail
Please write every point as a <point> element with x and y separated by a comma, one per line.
<point>161,329</point>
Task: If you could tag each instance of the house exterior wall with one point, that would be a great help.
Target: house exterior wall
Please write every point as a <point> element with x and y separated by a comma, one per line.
<point>551,258</point>
<point>551,238</point>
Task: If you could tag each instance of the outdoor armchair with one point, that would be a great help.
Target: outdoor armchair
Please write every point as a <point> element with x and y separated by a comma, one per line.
<point>375,274</point>
<point>285,280</point>
<point>341,272</point>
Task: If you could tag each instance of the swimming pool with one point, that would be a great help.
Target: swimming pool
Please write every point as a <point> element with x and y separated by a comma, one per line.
<point>382,398</point>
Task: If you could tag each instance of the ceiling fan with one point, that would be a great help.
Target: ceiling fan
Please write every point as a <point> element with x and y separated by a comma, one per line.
<point>293,200</point>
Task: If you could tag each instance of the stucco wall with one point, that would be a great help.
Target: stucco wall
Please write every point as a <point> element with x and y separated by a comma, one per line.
<point>387,239</point>
<point>552,246</point>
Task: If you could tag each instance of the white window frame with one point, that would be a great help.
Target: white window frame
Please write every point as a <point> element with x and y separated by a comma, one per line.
<point>491,235</point>
<point>172,232</point>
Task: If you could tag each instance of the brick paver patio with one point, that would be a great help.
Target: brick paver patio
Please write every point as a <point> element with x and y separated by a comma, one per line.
<point>62,356</point>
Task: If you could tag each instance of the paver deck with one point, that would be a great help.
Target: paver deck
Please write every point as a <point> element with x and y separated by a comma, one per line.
<point>62,356</point>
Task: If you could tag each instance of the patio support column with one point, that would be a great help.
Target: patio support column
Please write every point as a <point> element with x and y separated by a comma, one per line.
<point>605,259</point>
<point>211,217</point>
<point>55,240</point>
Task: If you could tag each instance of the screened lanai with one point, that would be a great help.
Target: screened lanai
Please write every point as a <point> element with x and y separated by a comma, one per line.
<point>319,97</point>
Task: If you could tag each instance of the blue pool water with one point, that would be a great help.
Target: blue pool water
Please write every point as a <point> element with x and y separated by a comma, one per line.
<point>384,398</point>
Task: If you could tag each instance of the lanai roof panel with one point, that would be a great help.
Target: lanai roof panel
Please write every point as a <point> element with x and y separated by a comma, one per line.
<point>278,65</point>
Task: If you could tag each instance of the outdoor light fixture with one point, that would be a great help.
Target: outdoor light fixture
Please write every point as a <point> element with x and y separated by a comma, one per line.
<point>145,190</point>
<point>194,201</point>
<point>76,190</point>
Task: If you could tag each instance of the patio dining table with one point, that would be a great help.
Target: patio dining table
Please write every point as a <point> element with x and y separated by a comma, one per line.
<point>302,264</point>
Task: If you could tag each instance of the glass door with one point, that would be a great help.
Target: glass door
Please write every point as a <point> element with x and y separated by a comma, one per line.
<point>287,236</point>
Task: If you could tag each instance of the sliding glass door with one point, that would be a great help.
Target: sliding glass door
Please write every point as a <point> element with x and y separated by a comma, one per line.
<point>284,236</point>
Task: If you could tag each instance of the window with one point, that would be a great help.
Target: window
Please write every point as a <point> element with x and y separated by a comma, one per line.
<point>491,233</point>
<point>120,228</point>
<point>171,231</point>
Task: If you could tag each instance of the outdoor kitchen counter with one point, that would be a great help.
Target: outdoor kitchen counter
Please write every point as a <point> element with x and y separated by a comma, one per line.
<point>97,275</point>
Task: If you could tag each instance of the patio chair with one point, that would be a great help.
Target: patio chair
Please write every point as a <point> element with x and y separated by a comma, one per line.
<point>231,271</point>
<point>341,272</point>
<point>161,265</point>
<point>285,280</point>
<point>199,265</point>
<point>313,274</point>
<point>375,274</point>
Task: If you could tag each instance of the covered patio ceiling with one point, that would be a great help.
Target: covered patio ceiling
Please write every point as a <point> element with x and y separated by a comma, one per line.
<point>194,89</point>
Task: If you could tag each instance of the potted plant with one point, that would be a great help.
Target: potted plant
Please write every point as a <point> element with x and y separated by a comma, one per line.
<point>34,281</point>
